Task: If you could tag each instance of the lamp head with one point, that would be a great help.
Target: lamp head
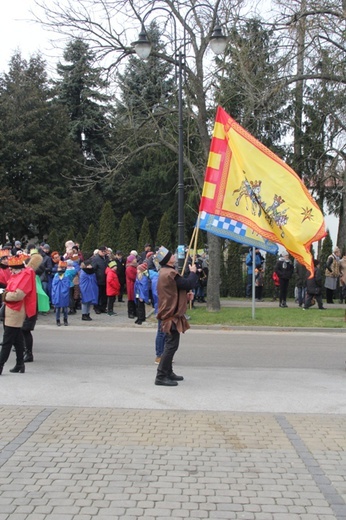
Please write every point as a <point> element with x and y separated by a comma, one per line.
<point>142,45</point>
<point>218,41</point>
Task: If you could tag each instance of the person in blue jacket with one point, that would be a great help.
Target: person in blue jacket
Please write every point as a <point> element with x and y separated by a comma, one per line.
<point>249,264</point>
<point>61,293</point>
<point>88,288</point>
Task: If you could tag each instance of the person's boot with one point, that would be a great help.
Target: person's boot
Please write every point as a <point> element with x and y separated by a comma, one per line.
<point>130,309</point>
<point>18,369</point>
<point>85,317</point>
<point>28,357</point>
<point>1,369</point>
<point>58,323</point>
<point>65,322</point>
<point>89,318</point>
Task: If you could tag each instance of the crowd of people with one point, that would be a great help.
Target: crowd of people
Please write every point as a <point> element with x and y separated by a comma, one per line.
<point>308,289</point>
<point>36,280</point>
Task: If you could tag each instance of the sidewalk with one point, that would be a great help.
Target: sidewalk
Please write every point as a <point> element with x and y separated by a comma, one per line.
<point>87,463</point>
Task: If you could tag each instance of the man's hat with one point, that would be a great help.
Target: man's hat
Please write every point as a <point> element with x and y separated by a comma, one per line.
<point>112,264</point>
<point>163,255</point>
<point>62,265</point>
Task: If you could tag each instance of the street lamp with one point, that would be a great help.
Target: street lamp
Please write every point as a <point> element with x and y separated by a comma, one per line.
<point>142,48</point>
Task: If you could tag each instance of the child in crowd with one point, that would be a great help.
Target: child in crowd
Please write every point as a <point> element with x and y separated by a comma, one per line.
<point>88,288</point>
<point>112,287</point>
<point>141,291</point>
<point>259,282</point>
<point>61,293</point>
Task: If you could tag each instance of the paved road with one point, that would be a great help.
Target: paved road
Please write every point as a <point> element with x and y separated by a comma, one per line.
<point>256,430</point>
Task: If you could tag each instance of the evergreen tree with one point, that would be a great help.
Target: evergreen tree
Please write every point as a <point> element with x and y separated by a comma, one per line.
<point>107,226</point>
<point>164,234</point>
<point>81,90</point>
<point>54,241</point>
<point>248,90</point>
<point>90,242</point>
<point>144,235</point>
<point>35,152</point>
<point>127,237</point>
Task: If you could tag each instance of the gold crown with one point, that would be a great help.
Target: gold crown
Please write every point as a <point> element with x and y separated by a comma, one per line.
<point>16,261</point>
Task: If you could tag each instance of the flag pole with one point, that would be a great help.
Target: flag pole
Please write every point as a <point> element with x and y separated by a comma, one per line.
<point>253,281</point>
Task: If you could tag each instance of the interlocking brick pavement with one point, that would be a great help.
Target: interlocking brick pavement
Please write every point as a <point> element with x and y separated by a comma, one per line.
<point>87,463</point>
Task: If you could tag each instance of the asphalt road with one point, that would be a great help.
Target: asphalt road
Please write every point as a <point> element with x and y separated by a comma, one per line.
<point>255,371</point>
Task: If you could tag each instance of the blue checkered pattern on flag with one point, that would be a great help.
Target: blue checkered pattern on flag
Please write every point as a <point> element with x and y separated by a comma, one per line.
<point>234,230</point>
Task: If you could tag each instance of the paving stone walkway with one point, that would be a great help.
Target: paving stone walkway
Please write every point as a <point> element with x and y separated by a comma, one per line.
<point>87,463</point>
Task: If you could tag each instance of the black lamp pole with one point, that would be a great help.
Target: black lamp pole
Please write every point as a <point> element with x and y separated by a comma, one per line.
<point>142,47</point>
<point>181,213</point>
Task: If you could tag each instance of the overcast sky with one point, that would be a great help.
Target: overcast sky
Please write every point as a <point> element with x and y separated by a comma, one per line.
<point>17,32</point>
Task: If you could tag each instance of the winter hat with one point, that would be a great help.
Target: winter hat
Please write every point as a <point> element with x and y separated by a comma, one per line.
<point>112,264</point>
<point>142,267</point>
<point>34,251</point>
<point>62,265</point>
<point>130,259</point>
<point>18,243</point>
<point>46,246</point>
<point>133,252</point>
<point>103,248</point>
<point>163,255</point>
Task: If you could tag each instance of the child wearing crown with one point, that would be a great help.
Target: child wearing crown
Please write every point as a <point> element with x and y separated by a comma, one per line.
<point>61,293</point>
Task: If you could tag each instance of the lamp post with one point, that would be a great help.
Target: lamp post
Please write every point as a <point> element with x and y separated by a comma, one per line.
<point>142,48</point>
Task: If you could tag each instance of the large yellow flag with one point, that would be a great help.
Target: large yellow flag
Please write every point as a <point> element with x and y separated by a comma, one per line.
<point>247,182</point>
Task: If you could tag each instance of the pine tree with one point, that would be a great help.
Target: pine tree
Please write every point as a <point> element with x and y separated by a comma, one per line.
<point>107,226</point>
<point>164,234</point>
<point>144,235</point>
<point>127,237</point>
<point>90,242</point>
<point>35,152</point>
<point>54,241</point>
<point>81,90</point>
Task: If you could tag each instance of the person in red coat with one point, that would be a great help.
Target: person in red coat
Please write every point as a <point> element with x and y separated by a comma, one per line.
<point>112,286</point>
<point>21,300</point>
<point>131,273</point>
<point>5,272</point>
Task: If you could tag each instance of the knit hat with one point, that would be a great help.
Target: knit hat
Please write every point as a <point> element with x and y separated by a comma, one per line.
<point>163,255</point>
<point>46,246</point>
<point>62,265</point>
<point>18,243</point>
<point>16,261</point>
<point>130,259</point>
<point>133,252</point>
<point>142,267</point>
<point>112,264</point>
